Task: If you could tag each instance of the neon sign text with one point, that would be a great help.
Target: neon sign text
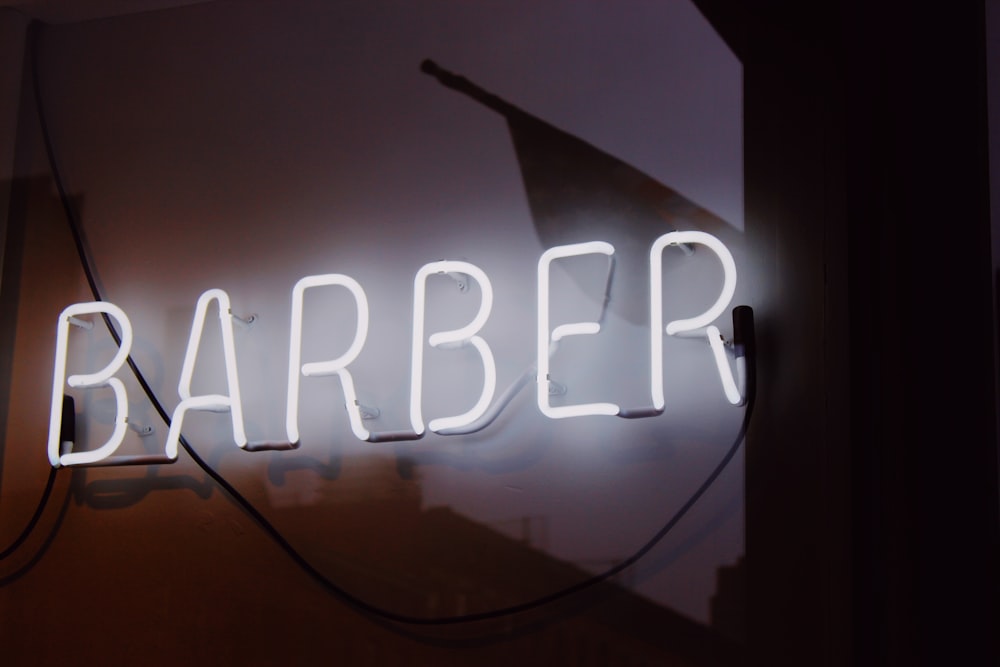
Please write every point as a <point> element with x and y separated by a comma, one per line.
<point>476,417</point>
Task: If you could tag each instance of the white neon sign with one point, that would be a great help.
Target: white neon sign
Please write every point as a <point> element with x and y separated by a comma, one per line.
<point>477,417</point>
<point>232,402</point>
<point>444,339</point>
<point>694,324</point>
<point>336,366</point>
<point>546,337</point>
<point>101,378</point>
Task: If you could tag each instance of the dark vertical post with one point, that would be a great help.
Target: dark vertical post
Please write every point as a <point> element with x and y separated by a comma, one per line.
<point>927,537</point>
<point>13,30</point>
<point>873,534</point>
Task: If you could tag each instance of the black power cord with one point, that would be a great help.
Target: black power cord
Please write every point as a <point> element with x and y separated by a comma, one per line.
<point>272,532</point>
<point>34,518</point>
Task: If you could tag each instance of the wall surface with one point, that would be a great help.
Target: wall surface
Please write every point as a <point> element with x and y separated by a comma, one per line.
<point>245,145</point>
<point>13,27</point>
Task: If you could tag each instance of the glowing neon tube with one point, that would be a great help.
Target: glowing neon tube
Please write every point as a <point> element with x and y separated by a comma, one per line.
<point>337,366</point>
<point>546,337</point>
<point>232,402</point>
<point>701,321</point>
<point>100,378</point>
<point>463,336</point>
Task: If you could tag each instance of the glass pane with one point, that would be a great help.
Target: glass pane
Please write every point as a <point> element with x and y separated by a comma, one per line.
<point>245,146</point>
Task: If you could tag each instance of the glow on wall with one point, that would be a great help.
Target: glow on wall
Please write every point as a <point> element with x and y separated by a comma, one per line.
<point>365,176</point>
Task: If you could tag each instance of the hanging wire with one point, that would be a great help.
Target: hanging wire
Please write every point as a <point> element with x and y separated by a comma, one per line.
<point>34,518</point>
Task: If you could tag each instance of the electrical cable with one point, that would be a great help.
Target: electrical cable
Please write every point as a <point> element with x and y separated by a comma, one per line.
<point>272,532</point>
<point>34,518</point>
<point>68,428</point>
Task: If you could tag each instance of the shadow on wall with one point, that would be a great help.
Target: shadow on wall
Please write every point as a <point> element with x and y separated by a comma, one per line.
<point>579,193</point>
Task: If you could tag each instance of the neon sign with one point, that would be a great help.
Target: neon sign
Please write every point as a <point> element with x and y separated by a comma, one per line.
<point>475,418</point>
